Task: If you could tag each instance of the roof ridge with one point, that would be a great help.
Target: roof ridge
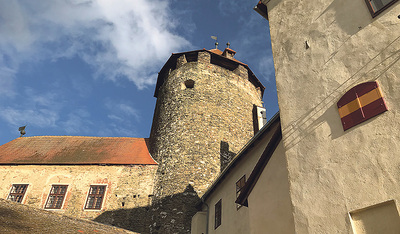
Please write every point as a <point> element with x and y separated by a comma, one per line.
<point>83,137</point>
<point>76,150</point>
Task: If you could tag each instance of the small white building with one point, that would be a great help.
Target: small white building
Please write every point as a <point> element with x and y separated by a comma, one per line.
<point>252,194</point>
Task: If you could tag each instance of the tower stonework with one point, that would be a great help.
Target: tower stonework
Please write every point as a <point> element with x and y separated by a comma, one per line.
<point>204,107</point>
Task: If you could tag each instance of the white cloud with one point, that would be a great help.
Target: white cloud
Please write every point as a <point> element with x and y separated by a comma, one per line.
<point>251,41</point>
<point>7,81</point>
<point>40,110</point>
<point>78,122</point>
<point>37,117</point>
<point>228,7</point>
<point>81,86</point>
<point>125,38</point>
<point>266,68</point>
<point>121,110</point>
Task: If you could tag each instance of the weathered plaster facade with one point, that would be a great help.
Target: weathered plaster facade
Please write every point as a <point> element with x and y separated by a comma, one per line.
<point>322,49</point>
<point>268,209</point>
<point>128,187</point>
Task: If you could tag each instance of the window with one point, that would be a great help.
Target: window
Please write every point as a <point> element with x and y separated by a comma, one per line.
<point>95,197</point>
<point>17,192</point>
<point>379,218</point>
<point>239,185</point>
<point>189,84</point>
<point>218,208</point>
<point>56,197</point>
<point>360,103</point>
<point>377,6</point>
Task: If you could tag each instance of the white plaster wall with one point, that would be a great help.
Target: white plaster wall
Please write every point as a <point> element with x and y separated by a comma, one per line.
<point>331,171</point>
<point>199,223</point>
<point>270,208</point>
<point>233,220</point>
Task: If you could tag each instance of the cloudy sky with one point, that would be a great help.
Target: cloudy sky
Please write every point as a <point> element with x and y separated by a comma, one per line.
<point>88,67</point>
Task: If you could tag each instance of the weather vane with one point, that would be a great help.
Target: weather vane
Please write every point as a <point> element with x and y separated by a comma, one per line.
<point>216,41</point>
<point>22,130</point>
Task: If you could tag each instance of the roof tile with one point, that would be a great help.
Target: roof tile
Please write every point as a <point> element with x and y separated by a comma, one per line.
<point>76,150</point>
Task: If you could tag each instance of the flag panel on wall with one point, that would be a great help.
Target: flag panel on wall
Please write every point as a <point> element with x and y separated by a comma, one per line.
<point>361,103</point>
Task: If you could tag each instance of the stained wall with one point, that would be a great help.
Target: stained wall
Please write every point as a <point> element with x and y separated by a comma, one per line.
<point>128,187</point>
<point>321,49</point>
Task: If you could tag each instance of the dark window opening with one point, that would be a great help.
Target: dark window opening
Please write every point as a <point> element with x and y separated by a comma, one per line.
<point>377,6</point>
<point>239,186</point>
<point>95,197</point>
<point>191,57</point>
<point>218,214</point>
<point>223,62</point>
<point>189,84</point>
<point>56,197</point>
<point>17,192</point>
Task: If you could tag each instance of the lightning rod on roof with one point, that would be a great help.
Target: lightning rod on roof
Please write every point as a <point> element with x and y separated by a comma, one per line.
<point>216,41</point>
<point>22,130</point>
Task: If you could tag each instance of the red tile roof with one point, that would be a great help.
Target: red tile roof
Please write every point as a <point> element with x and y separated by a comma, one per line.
<point>216,51</point>
<point>76,150</point>
<point>219,52</point>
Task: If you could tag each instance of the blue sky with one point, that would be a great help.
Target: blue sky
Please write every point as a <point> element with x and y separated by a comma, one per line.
<point>88,68</point>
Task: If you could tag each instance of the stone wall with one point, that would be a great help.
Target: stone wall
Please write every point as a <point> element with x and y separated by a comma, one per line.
<point>128,188</point>
<point>188,128</point>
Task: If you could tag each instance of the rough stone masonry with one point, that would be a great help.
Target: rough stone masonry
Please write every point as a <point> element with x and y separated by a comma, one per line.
<point>204,101</point>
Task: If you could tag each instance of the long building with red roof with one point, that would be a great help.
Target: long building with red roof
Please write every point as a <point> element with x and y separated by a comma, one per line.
<point>83,177</point>
<point>76,150</point>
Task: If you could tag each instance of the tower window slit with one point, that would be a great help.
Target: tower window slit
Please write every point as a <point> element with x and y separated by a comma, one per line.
<point>189,84</point>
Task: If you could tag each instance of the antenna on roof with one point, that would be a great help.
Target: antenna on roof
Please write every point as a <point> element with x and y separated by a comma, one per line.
<point>22,130</point>
<point>216,41</point>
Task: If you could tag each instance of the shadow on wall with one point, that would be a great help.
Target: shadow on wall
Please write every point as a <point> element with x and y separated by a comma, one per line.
<point>170,214</point>
<point>326,109</point>
<point>344,15</point>
<point>225,155</point>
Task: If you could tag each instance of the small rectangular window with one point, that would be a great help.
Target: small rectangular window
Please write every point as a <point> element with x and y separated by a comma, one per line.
<point>377,6</point>
<point>239,186</point>
<point>218,214</point>
<point>17,192</point>
<point>95,197</point>
<point>56,197</point>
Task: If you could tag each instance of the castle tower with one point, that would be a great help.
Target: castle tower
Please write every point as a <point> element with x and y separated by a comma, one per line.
<point>203,116</point>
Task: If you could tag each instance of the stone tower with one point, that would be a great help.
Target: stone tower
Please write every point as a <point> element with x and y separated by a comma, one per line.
<point>203,116</point>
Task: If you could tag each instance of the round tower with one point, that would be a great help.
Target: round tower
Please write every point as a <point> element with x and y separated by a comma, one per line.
<point>203,116</point>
